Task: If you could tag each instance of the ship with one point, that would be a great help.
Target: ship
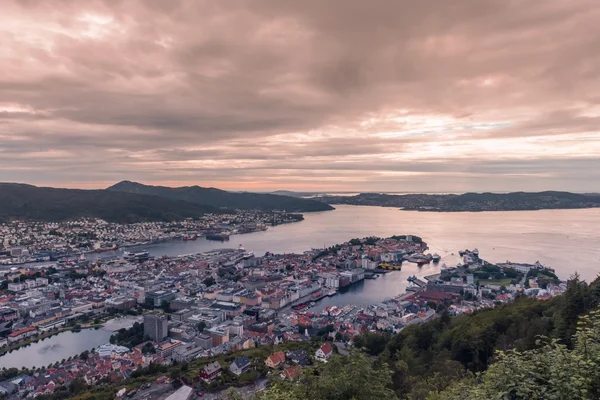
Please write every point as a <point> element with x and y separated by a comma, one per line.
<point>420,259</point>
<point>218,238</point>
<point>332,311</point>
<point>139,256</point>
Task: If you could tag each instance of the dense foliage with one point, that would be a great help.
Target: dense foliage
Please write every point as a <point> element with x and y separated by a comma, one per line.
<point>129,337</point>
<point>222,199</point>
<point>550,372</point>
<point>353,377</point>
<point>18,201</point>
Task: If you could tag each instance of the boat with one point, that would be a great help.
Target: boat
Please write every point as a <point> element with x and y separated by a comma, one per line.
<point>139,256</point>
<point>390,266</point>
<point>347,309</point>
<point>332,311</point>
<point>420,259</point>
<point>189,238</point>
<point>218,238</point>
<point>436,258</point>
<point>331,293</point>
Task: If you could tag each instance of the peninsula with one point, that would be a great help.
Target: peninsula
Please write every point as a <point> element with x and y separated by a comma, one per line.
<point>471,201</point>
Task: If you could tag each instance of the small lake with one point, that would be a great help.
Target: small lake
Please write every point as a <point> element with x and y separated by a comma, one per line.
<point>55,348</point>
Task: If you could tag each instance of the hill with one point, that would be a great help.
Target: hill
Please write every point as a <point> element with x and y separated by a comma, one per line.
<point>20,201</point>
<point>471,201</point>
<point>222,199</point>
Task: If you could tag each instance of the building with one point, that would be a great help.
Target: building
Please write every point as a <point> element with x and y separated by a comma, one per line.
<point>292,372</point>
<point>8,314</point>
<point>156,299</point>
<point>219,335</point>
<point>166,350</point>
<point>22,334</point>
<point>204,341</point>
<point>121,303</point>
<point>182,315</point>
<point>183,393</point>
<point>324,352</point>
<point>275,359</point>
<point>299,357</point>
<point>186,352</point>
<point>47,326</point>
<point>240,365</point>
<point>230,309</point>
<point>211,372</point>
<point>156,327</point>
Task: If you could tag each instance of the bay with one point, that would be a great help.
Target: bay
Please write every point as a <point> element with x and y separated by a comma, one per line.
<point>566,240</point>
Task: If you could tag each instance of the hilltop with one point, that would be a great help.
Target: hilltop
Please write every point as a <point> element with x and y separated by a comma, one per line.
<point>20,201</point>
<point>471,201</point>
<point>223,199</point>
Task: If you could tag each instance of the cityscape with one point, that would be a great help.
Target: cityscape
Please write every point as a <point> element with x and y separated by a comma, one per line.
<point>174,310</point>
<point>299,200</point>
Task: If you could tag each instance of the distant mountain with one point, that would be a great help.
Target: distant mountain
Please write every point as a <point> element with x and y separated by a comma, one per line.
<point>290,193</point>
<point>471,201</point>
<point>19,201</point>
<point>222,199</point>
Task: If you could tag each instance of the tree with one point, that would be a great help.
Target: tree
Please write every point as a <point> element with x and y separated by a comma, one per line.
<point>201,325</point>
<point>373,343</point>
<point>352,377</point>
<point>338,336</point>
<point>232,394</point>
<point>148,349</point>
<point>209,281</point>
<point>550,372</point>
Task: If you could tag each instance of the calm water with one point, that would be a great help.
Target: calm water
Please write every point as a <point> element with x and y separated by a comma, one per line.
<point>567,240</point>
<point>51,350</point>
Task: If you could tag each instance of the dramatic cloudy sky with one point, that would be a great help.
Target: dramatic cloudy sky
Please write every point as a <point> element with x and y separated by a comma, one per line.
<point>397,95</point>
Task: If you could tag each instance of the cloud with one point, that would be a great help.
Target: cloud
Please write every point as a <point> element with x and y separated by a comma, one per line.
<point>381,95</point>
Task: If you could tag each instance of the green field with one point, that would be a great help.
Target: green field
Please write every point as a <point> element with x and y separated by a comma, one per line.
<point>499,282</point>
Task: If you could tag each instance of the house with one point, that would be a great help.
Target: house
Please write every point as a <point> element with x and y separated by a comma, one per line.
<point>324,352</point>
<point>275,359</point>
<point>211,372</point>
<point>299,357</point>
<point>292,372</point>
<point>240,365</point>
<point>7,388</point>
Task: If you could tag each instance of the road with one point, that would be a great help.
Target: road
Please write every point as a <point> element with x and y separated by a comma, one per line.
<point>247,391</point>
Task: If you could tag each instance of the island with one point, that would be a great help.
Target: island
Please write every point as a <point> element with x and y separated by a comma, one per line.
<point>516,201</point>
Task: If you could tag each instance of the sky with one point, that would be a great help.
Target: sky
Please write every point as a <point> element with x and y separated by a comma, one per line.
<point>312,95</point>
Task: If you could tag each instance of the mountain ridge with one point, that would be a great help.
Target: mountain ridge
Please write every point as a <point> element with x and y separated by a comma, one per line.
<point>218,198</point>
<point>29,202</point>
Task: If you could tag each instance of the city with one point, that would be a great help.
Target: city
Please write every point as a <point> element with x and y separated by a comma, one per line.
<point>206,306</point>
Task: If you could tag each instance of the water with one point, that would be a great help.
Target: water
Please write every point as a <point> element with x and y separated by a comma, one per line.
<point>55,348</point>
<point>567,240</point>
